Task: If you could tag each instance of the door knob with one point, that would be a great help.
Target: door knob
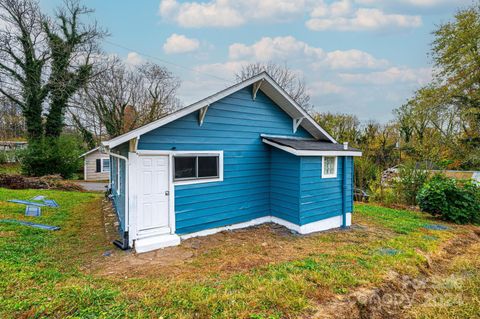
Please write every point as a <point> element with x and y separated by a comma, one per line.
<point>167,193</point>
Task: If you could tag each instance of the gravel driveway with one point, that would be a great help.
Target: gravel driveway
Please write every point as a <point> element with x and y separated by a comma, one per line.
<point>93,186</point>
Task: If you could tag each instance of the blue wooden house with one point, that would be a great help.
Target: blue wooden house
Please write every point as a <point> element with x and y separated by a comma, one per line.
<point>246,155</point>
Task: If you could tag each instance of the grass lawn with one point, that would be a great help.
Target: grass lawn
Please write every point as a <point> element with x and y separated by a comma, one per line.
<point>264,272</point>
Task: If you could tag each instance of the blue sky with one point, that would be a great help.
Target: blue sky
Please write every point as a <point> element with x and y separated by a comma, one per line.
<point>364,57</point>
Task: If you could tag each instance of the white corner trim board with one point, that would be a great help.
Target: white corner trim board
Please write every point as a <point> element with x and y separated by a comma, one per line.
<point>321,225</point>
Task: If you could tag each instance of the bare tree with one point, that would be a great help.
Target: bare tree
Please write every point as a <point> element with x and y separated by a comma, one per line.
<point>12,123</point>
<point>290,81</point>
<point>122,98</point>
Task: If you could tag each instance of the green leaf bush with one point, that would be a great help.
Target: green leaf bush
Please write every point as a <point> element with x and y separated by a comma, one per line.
<point>451,200</point>
<point>52,156</point>
<point>409,182</point>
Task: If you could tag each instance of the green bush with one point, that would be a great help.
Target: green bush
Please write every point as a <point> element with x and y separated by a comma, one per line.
<point>409,182</point>
<point>52,156</point>
<point>451,200</point>
<point>3,157</point>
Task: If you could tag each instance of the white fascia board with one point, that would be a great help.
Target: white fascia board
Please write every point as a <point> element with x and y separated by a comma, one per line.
<point>212,99</point>
<point>311,153</point>
<point>89,152</point>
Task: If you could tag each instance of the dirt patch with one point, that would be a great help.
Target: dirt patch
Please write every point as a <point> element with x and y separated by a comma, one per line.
<point>55,182</point>
<point>7,234</point>
<point>399,293</point>
<point>226,252</point>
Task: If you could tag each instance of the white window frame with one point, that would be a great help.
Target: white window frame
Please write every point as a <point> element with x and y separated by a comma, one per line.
<point>335,167</point>
<point>102,170</point>
<point>219,178</point>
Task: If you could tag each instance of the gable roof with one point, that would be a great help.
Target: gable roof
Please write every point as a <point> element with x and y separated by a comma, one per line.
<point>268,86</point>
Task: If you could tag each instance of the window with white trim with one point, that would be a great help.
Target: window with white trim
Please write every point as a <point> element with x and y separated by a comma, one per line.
<point>329,166</point>
<point>195,168</point>
<point>105,165</point>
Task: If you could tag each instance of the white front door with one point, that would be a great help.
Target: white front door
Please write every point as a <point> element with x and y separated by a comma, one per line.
<point>153,196</point>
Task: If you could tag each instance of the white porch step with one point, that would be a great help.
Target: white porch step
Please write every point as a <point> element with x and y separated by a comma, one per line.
<point>151,243</point>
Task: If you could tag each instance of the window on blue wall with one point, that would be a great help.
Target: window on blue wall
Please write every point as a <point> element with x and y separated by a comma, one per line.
<point>196,167</point>
<point>185,167</point>
<point>329,166</point>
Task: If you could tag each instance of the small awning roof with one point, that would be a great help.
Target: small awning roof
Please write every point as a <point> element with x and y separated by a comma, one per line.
<point>310,147</point>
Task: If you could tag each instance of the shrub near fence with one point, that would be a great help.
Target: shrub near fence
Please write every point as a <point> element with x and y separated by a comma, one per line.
<point>452,200</point>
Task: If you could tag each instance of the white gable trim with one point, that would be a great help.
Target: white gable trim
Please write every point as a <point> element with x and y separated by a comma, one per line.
<point>89,152</point>
<point>295,152</point>
<point>269,87</point>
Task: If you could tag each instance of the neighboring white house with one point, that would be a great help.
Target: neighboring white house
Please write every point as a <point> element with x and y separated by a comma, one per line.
<point>96,166</point>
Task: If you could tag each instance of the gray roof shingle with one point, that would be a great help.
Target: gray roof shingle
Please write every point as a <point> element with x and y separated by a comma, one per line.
<point>310,145</point>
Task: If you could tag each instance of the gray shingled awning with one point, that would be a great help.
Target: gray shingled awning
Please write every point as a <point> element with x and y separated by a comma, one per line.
<point>307,147</point>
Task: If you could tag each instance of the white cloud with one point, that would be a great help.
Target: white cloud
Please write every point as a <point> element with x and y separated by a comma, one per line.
<point>289,48</point>
<point>420,76</point>
<point>229,13</point>
<point>133,59</point>
<point>415,3</point>
<point>178,43</point>
<point>362,19</point>
<point>344,15</point>
<point>274,48</point>
<point>335,9</point>
<point>351,59</point>
<point>319,88</point>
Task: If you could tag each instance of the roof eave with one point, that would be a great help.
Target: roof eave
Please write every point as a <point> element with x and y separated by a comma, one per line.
<point>89,152</point>
<point>296,152</point>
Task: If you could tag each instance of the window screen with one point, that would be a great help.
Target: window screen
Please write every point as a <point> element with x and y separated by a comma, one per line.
<point>208,166</point>
<point>196,167</point>
<point>185,167</point>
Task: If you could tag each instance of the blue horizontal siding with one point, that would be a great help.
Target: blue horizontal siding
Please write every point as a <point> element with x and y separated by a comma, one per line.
<point>119,199</point>
<point>285,185</point>
<point>234,125</point>
<point>322,197</point>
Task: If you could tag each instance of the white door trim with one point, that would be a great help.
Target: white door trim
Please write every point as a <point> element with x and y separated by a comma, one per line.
<point>133,200</point>
<point>135,188</point>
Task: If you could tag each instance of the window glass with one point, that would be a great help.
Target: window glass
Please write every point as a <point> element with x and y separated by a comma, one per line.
<point>185,167</point>
<point>329,166</point>
<point>106,165</point>
<point>207,166</point>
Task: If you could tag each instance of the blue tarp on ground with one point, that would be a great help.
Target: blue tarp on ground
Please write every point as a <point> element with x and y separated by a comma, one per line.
<point>41,226</point>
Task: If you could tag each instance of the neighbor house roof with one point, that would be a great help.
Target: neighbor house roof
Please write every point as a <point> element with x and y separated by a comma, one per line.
<point>263,82</point>
<point>310,147</point>
<point>90,152</point>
